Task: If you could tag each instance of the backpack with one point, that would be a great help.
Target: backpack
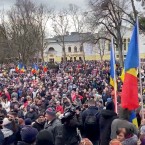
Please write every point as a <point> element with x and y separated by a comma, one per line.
<point>91,120</point>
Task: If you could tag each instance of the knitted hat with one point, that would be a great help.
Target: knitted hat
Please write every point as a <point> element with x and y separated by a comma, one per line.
<point>44,138</point>
<point>28,134</point>
<point>51,111</point>
<point>28,121</point>
<point>110,106</point>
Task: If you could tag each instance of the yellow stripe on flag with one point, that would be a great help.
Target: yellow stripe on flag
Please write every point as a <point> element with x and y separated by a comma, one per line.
<point>132,71</point>
<point>134,121</point>
<point>111,82</point>
<point>122,75</point>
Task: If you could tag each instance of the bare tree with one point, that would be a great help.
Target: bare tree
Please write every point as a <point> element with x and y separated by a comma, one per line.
<point>108,14</point>
<point>8,54</point>
<point>61,26</point>
<point>43,14</point>
<point>78,20</point>
<point>23,29</point>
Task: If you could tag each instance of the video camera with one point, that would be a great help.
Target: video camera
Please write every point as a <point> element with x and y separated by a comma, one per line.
<point>69,114</point>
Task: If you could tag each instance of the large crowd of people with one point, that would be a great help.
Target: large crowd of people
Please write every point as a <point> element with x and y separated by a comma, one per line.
<point>71,104</point>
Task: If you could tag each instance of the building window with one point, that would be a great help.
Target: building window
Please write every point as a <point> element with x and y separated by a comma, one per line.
<point>124,44</point>
<point>51,49</point>
<point>75,49</point>
<point>75,59</point>
<point>80,58</point>
<point>69,49</point>
<point>81,48</point>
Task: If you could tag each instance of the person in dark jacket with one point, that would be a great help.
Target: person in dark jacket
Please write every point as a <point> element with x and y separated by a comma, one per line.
<point>105,121</point>
<point>8,134</point>
<point>28,135</point>
<point>44,137</point>
<point>53,125</point>
<point>1,137</point>
<point>70,125</point>
<point>91,122</point>
<point>39,123</point>
<point>32,114</point>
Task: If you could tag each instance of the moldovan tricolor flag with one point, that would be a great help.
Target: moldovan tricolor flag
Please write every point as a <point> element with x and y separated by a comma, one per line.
<point>129,98</point>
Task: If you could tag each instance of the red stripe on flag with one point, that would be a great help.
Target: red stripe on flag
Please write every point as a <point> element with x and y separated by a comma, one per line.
<point>129,97</point>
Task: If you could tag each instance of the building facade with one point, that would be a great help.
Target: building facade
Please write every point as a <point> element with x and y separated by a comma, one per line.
<point>78,50</point>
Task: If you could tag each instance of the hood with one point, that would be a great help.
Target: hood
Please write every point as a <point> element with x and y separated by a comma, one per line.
<point>130,141</point>
<point>7,132</point>
<point>108,114</point>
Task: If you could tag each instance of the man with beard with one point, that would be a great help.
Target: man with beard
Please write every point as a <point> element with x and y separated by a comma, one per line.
<point>39,123</point>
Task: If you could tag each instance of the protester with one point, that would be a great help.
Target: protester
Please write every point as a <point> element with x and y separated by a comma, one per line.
<point>52,124</point>
<point>76,92</point>
<point>122,122</point>
<point>9,137</point>
<point>28,135</point>
<point>91,123</point>
<point>105,121</point>
<point>39,123</point>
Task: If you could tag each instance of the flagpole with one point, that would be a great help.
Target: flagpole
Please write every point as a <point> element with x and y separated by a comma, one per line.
<point>115,83</point>
<point>140,81</point>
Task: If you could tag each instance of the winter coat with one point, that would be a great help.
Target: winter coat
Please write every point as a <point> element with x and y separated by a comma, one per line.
<point>1,138</point>
<point>31,115</point>
<point>38,126</point>
<point>70,135</point>
<point>120,123</point>
<point>92,110</point>
<point>55,128</point>
<point>130,141</point>
<point>9,137</point>
<point>105,120</point>
<point>22,143</point>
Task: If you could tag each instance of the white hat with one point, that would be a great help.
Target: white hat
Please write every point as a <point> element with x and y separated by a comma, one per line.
<point>6,121</point>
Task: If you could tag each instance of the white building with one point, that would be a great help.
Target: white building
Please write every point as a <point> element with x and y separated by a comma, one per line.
<point>75,51</point>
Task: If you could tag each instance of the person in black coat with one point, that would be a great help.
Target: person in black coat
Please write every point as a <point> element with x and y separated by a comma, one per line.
<point>28,135</point>
<point>105,120</point>
<point>39,123</point>
<point>91,130</point>
<point>32,114</point>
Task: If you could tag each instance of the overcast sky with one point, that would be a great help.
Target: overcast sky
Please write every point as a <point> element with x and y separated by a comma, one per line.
<point>58,4</point>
